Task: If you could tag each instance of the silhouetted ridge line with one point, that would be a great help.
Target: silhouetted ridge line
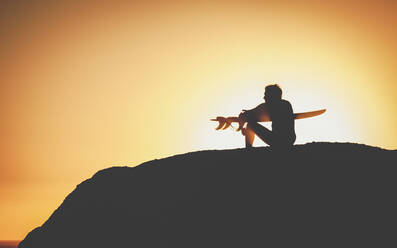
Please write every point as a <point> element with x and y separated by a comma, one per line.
<point>316,195</point>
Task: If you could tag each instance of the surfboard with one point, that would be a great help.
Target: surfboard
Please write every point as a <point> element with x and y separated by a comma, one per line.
<point>308,114</point>
<point>225,122</point>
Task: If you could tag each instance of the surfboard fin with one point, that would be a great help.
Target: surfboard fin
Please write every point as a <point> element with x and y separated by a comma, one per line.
<point>225,123</point>
<point>228,123</point>
<point>221,120</point>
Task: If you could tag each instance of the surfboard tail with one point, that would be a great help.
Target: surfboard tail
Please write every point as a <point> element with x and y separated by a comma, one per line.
<point>221,120</point>
<point>225,122</point>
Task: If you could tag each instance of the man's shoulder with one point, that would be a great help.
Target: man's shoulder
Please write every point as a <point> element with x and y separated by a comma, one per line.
<point>262,105</point>
<point>286,104</point>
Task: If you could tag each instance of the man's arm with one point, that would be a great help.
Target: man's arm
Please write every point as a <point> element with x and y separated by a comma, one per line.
<point>259,113</point>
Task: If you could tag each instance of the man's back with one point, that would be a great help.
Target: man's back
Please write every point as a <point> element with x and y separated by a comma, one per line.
<point>282,116</point>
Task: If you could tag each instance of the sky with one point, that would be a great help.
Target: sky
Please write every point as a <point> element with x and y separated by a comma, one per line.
<point>87,85</point>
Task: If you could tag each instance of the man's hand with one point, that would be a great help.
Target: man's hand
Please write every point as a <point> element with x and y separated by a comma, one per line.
<point>243,115</point>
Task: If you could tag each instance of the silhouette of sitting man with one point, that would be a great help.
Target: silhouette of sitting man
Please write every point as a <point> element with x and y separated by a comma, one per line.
<point>282,135</point>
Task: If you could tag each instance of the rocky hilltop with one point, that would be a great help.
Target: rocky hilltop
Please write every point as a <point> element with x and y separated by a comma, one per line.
<point>316,195</point>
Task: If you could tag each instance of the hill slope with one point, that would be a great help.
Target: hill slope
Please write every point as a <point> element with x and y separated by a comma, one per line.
<point>318,195</point>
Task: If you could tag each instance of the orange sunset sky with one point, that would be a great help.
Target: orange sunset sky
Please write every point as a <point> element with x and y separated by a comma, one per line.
<point>85,85</point>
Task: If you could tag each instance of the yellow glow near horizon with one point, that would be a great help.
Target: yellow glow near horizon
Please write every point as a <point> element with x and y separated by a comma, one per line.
<point>94,84</point>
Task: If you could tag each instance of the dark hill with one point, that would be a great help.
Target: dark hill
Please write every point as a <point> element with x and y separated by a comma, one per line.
<point>317,195</point>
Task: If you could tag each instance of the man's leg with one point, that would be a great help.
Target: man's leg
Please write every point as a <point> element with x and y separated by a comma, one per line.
<point>249,136</point>
<point>262,132</point>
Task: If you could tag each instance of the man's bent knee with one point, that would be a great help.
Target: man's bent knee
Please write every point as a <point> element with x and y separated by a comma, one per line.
<point>262,132</point>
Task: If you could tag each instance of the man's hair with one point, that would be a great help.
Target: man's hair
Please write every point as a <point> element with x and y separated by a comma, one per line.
<point>274,91</point>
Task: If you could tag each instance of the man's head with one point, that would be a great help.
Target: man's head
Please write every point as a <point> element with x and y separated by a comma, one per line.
<point>273,93</point>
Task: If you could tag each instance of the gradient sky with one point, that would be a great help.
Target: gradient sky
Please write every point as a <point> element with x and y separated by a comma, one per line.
<point>87,84</point>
